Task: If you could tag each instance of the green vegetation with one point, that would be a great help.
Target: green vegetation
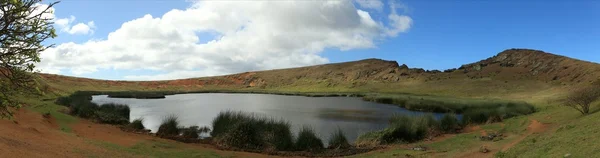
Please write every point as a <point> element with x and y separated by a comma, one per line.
<point>169,127</point>
<point>407,129</point>
<point>308,141</point>
<point>248,131</point>
<point>338,140</point>
<point>473,110</point>
<point>80,105</point>
<point>137,124</point>
<point>138,95</point>
<point>24,27</point>
<point>582,99</point>
<point>449,123</point>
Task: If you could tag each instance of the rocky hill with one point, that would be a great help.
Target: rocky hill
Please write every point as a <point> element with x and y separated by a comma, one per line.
<point>512,70</point>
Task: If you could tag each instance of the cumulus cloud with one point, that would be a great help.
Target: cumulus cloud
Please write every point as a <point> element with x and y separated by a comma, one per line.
<point>249,36</point>
<point>66,25</point>
<point>370,4</point>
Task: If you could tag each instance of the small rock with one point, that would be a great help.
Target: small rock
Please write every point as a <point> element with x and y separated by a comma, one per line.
<point>419,148</point>
<point>484,149</point>
<point>568,155</point>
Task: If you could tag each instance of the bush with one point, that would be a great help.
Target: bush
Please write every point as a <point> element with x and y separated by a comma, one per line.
<point>169,126</point>
<point>449,123</point>
<point>137,124</point>
<point>308,141</point>
<point>338,140</point>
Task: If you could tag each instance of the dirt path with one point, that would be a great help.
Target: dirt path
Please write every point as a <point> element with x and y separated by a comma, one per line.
<point>534,127</point>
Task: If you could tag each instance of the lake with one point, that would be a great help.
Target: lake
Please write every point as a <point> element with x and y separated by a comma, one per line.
<point>325,114</point>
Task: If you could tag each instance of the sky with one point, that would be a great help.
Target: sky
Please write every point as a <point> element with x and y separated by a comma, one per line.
<point>173,39</point>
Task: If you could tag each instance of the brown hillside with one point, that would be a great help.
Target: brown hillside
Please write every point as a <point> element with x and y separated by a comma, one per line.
<point>513,70</point>
<point>534,64</point>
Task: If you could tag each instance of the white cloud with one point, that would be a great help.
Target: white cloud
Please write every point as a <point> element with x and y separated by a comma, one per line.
<point>370,4</point>
<point>81,28</point>
<point>65,25</point>
<point>251,36</point>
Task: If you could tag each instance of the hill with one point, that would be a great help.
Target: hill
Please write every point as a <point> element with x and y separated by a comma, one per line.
<point>517,71</point>
<point>540,78</point>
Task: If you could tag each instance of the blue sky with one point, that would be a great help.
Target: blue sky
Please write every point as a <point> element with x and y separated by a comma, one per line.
<point>440,35</point>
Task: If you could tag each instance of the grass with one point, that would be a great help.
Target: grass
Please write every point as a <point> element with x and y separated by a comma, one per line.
<point>46,105</point>
<point>441,104</point>
<point>194,132</point>
<point>338,140</point>
<point>160,149</point>
<point>137,124</point>
<point>408,129</point>
<point>249,131</point>
<point>169,126</point>
<point>308,141</point>
<point>80,105</point>
<point>449,123</point>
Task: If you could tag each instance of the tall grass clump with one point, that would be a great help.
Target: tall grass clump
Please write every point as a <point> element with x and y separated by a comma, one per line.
<point>407,129</point>
<point>80,105</point>
<point>308,141</point>
<point>338,140</point>
<point>169,126</point>
<point>137,124</point>
<point>449,123</point>
<point>112,114</point>
<point>249,131</point>
<point>191,132</point>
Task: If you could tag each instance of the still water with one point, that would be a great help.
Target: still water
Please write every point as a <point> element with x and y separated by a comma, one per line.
<point>324,114</point>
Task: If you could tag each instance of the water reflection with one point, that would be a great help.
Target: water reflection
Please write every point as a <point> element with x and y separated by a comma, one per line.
<point>325,114</point>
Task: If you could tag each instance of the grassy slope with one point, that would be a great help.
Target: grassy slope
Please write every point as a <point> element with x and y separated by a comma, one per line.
<point>565,128</point>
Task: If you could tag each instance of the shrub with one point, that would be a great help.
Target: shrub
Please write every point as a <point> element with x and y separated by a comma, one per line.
<point>338,140</point>
<point>449,123</point>
<point>308,141</point>
<point>169,126</point>
<point>582,99</point>
<point>137,124</point>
